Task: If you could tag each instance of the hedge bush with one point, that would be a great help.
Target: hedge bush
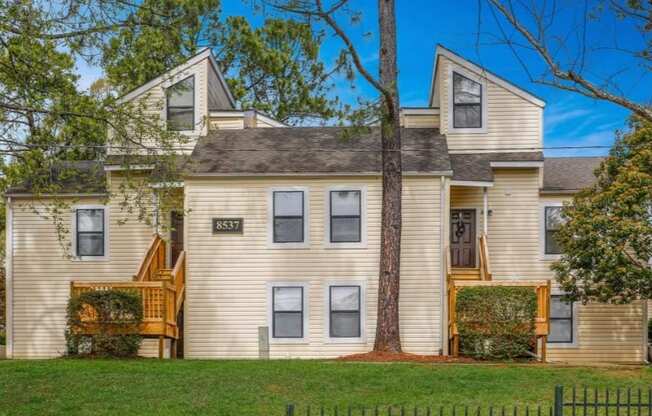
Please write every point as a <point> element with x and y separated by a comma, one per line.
<point>496,322</point>
<point>115,331</point>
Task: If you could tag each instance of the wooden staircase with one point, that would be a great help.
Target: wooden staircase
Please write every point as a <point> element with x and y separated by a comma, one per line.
<point>458,278</point>
<point>161,289</point>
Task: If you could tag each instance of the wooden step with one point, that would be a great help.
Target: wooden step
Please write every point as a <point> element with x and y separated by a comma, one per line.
<point>464,273</point>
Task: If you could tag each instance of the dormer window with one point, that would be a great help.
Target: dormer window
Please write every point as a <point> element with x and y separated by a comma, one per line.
<point>181,105</point>
<point>467,103</point>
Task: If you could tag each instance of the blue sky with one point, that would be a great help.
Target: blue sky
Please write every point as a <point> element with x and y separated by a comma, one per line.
<point>570,119</point>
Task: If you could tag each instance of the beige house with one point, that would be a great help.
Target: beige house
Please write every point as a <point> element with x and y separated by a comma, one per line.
<point>277,255</point>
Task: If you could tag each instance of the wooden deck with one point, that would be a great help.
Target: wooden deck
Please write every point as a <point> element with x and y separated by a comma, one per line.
<point>482,276</point>
<point>162,291</point>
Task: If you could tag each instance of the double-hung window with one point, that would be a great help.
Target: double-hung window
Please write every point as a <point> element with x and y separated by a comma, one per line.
<point>90,233</point>
<point>344,309</point>
<point>288,209</point>
<point>467,102</point>
<point>288,312</point>
<point>181,105</point>
<point>553,220</point>
<point>561,321</point>
<point>345,216</point>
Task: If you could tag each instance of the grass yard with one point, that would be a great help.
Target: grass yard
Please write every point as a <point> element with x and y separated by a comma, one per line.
<point>141,387</point>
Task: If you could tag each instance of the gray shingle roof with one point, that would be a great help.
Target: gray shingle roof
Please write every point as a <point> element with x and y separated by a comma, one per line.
<point>78,177</point>
<point>313,150</point>
<point>476,166</point>
<point>569,173</point>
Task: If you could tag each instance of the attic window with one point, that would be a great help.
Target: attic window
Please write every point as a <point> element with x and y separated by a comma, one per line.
<point>181,105</point>
<point>467,102</point>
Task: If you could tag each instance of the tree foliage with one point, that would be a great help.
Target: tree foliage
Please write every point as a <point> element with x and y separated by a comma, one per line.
<point>275,68</point>
<point>607,239</point>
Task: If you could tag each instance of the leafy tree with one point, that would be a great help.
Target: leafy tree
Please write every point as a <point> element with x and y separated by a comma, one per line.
<point>274,68</point>
<point>607,239</point>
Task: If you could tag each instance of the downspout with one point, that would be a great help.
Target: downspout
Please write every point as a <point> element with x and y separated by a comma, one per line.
<point>443,191</point>
<point>9,281</point>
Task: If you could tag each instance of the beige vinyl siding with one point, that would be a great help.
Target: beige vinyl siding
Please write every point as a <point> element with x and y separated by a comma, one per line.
<point>42,273</point>
<point>512,122</point>
<point>420,121</point>
<point>152,102</point>
<point>606,333</point>
<point>226,123</point>
<point>228,274</point>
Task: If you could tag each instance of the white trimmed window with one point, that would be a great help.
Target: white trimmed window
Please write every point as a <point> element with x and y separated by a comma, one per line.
<point>467,110</point>
<point>288,311</point>
<point>346,217</point>
<point>180,109</point>
<point>90,232</point>
<point>563,322</point>
<point>288,217</point>
<point>345,306</point>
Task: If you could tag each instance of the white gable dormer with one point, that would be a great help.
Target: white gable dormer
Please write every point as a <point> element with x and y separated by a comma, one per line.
<point>183,97</point>
<point>481,112</point>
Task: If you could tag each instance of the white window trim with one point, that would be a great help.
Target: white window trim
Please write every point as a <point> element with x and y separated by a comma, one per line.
<point>73,228</point>
<point>542,230</point>
<point>363,216</point>
<point>575,343</point>
<point>363,312</point>
<point>483,84</point>
<point>306,218</point>
<point>306,312</point>
<point>173,80</point>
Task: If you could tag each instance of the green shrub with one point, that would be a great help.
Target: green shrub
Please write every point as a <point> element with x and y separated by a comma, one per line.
<point>114,332</point>
<point>496,322</point>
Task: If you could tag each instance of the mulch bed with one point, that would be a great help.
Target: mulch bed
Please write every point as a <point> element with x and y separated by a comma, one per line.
<point>384,357</point>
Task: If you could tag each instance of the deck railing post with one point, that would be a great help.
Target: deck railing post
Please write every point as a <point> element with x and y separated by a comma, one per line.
<point>559,401</point>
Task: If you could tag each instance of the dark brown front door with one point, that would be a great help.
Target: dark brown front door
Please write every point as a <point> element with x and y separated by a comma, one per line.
<point>462,238</point>
<point>176,236</point>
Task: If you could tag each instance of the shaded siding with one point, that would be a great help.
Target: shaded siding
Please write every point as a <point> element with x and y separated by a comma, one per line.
<point>217,96</point>
<point>228,274</point>
<point>512,122</point>
<point>222,123</point>
<point>606,333</point>
<point>42,274</point>
<point>420,121</point>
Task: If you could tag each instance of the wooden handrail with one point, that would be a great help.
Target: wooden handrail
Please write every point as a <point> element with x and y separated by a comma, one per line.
<point>153,261</point>
<point>485,266</point>
<point>179,279</point>
<point>448,260</point>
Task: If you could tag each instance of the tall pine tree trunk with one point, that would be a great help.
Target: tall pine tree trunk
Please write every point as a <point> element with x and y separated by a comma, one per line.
<point>388,337</point>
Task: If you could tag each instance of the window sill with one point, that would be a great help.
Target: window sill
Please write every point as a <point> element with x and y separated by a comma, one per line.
<point>562,345</point>
<point>281,341</point>
<point>550,257</point>
<point>329,245</point>
<point>288,246</point>
<point>90,259</point>
<point>330,340</point>
<point>468,130</point>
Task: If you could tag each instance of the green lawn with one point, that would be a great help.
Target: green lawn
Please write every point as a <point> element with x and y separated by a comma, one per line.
<point>139,387</point>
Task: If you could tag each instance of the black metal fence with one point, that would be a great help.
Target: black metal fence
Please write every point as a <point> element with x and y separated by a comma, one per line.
<point>582,401</point>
